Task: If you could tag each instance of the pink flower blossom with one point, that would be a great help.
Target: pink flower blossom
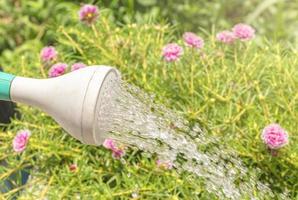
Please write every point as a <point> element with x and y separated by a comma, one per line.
<point>244,32</point>
<point>20,141</point>
<point>116,151</point>
<point>109,144</point>
<point>274,136</point>
<point>193,40</point>
<point>48,53</point>
<point>77,66</point>
<point>57,69</point>
<point>226,37</point>
<point>164,164</point>
<point>88,14</point>
<point>172,52</point>
<point>73,167</point>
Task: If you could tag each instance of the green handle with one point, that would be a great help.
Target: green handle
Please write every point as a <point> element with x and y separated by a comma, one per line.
<point>5,83</point>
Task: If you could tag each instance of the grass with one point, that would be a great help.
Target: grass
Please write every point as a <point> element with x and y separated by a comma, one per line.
<point>232,91</point>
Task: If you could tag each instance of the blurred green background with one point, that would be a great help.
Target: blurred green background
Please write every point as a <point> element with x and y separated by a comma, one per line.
<point>22,20</point>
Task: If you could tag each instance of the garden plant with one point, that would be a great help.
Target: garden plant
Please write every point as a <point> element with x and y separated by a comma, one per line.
<point>236,83</point>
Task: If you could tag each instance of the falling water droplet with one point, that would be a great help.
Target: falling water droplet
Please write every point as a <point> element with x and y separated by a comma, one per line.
<point>130,116</point>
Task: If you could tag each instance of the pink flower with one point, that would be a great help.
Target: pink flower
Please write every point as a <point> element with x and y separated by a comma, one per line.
<point>274,136</point>
<point>57,69</point>
<point>193,40</point>
<point>116,151</point>
<point>226,37</point>
<point>244,32</point>
<point>172,52</point>
<point>77,66</point>
<point>109,144</point>
<point>164,164</point>
<point>20,141</point>
<point>73,167</point>
<point>48,53</point>
<point>88,14</point>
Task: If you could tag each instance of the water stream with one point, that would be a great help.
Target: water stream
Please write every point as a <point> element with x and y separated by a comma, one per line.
<point>131,117</point>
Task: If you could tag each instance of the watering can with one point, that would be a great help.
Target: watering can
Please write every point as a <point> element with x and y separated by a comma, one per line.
<point>73,100</point>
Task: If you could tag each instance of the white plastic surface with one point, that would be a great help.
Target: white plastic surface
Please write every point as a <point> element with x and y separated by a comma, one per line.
<point>70,99</point>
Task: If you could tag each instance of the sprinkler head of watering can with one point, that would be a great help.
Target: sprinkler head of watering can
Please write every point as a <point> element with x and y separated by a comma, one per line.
<point>73,100</point>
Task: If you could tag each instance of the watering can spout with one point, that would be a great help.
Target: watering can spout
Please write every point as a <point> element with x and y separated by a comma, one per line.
<point>71,99</point>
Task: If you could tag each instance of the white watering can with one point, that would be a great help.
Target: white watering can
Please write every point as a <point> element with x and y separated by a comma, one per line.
<point>73,100</point>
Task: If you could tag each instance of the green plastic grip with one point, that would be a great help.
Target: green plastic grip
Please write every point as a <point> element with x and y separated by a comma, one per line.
<point>5,83</point>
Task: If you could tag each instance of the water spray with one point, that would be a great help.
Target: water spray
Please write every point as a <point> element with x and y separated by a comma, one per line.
<point>73,99</point>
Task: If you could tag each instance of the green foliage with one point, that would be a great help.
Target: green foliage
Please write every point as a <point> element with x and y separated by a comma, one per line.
<point>194,15</point>
<point>232,91</point>
<point>22,20</point>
